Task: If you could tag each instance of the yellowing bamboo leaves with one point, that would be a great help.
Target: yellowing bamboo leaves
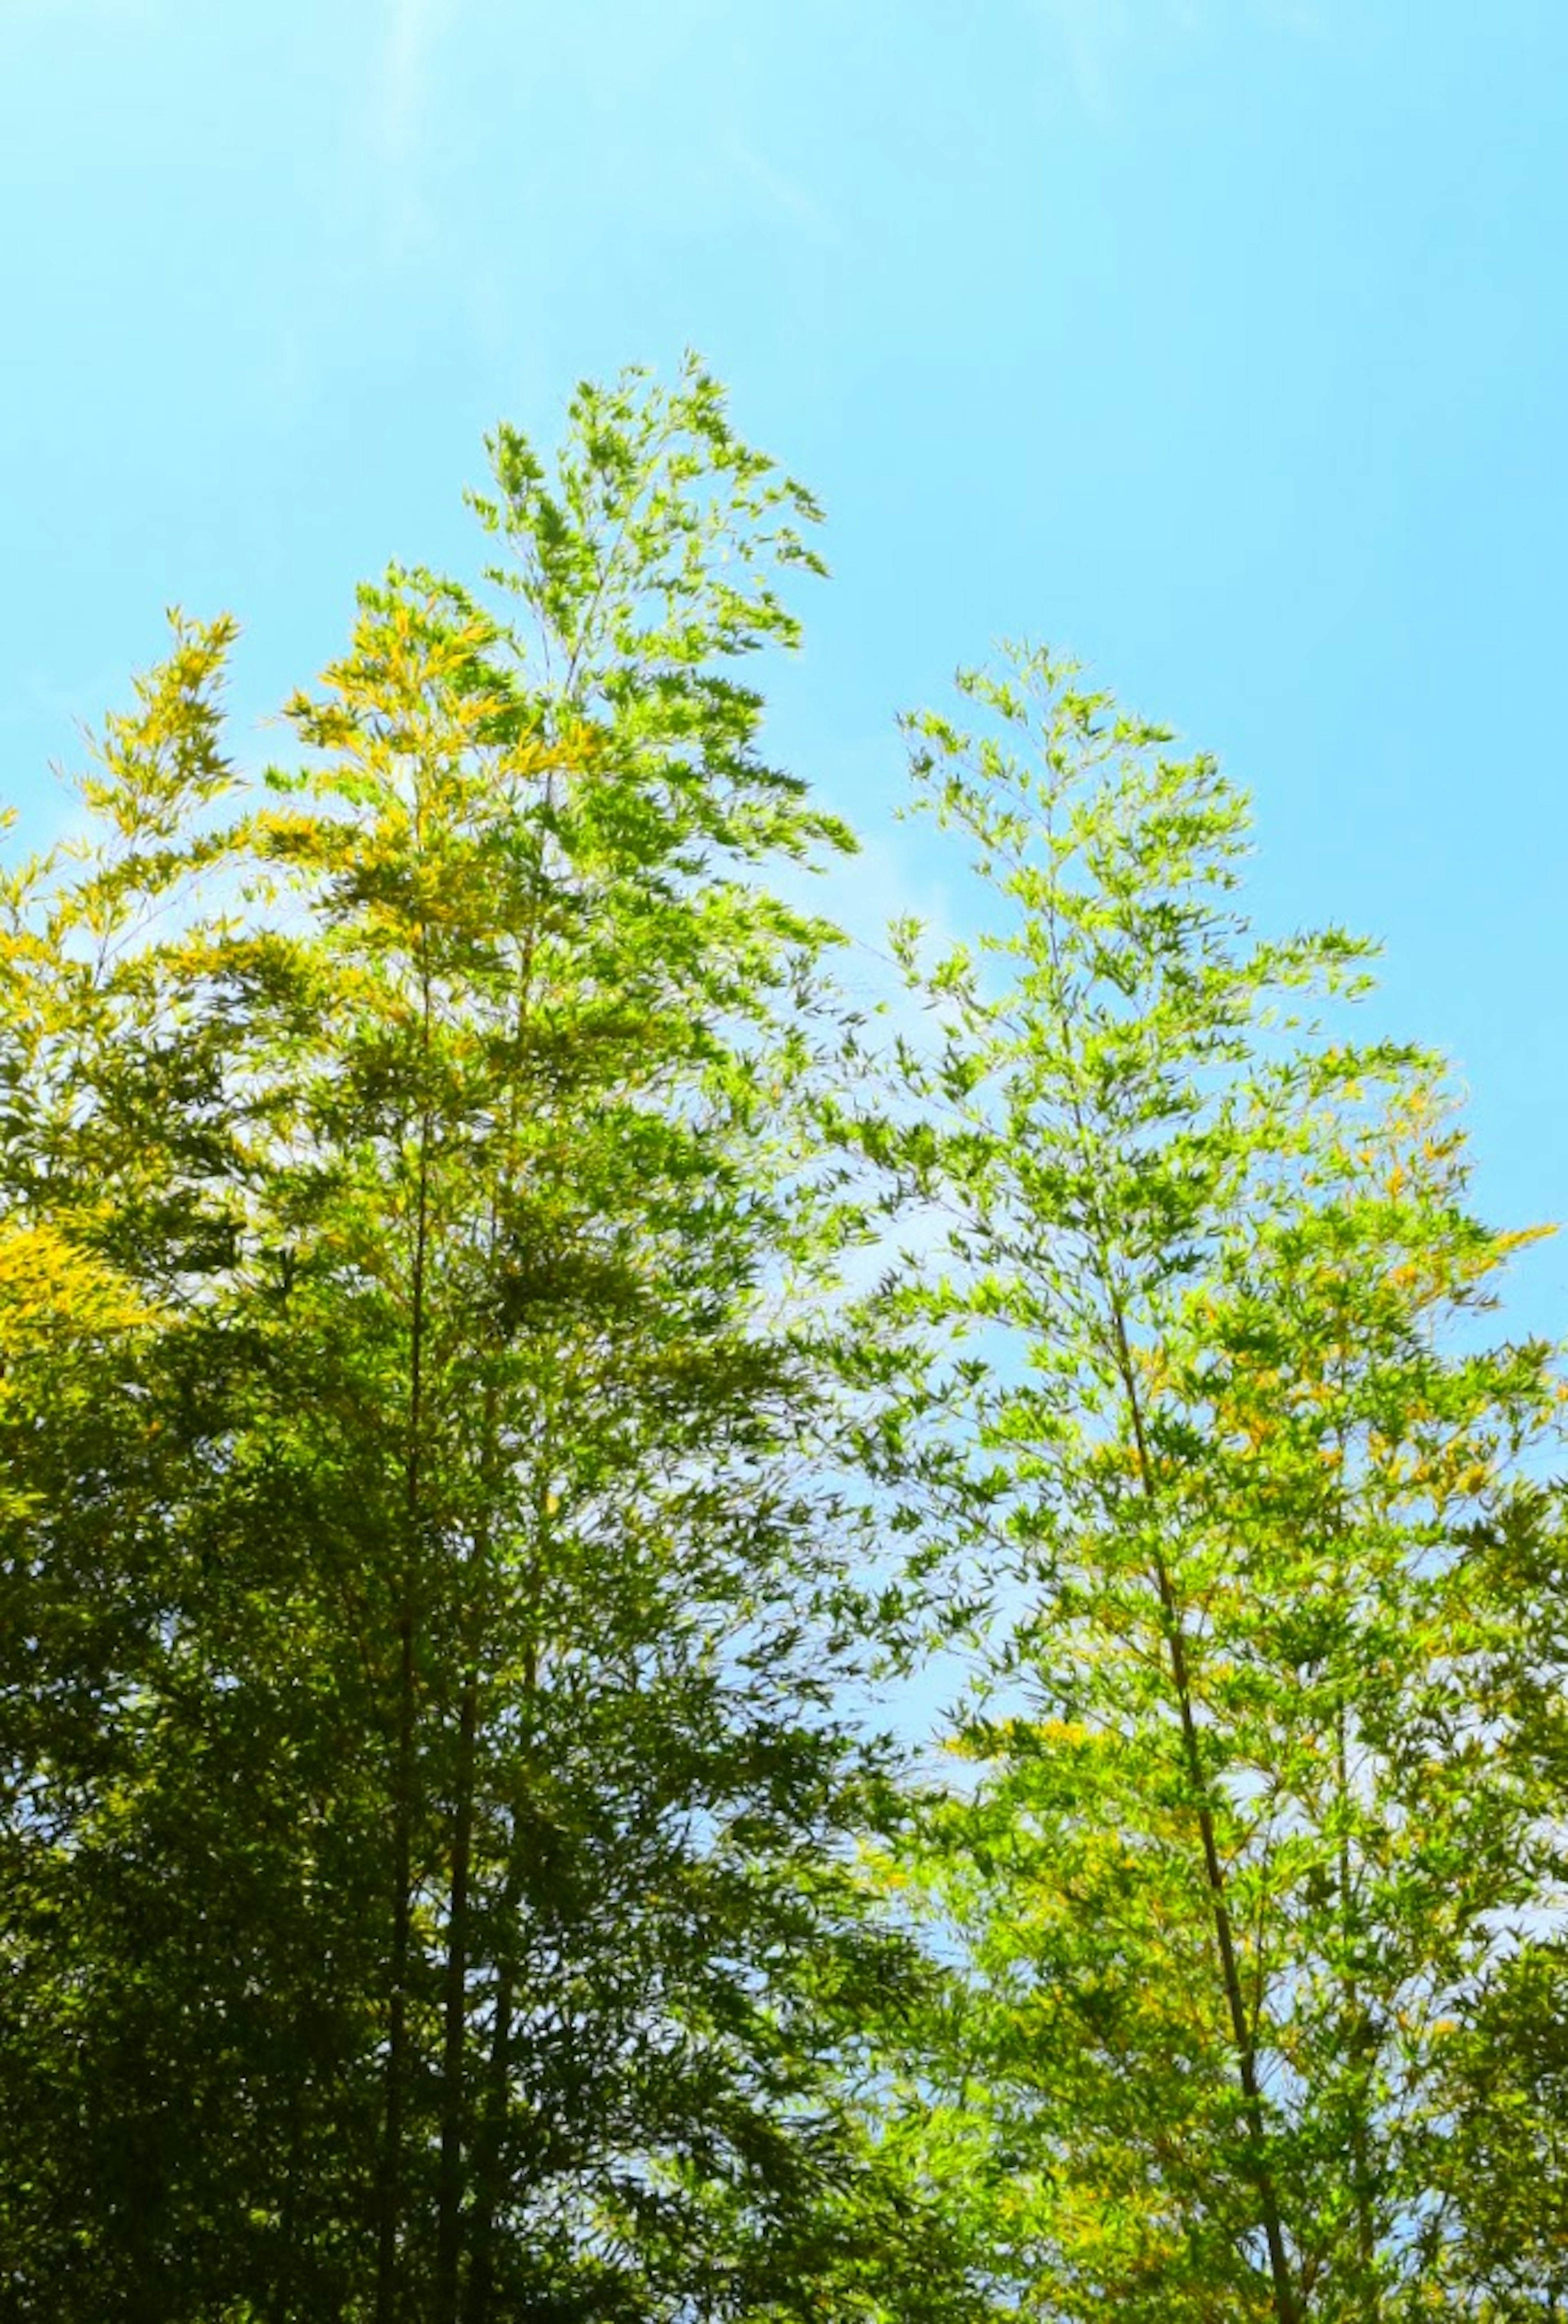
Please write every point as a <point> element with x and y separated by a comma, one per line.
<point>455,1513</point>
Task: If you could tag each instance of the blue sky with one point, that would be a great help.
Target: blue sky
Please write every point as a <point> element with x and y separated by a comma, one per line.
<point>1221,341</point>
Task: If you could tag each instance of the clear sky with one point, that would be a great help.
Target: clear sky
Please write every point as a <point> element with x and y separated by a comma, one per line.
<point>1222,342</point>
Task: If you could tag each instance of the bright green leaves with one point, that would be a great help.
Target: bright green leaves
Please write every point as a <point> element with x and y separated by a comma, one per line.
<point>453,1509</point>
<point>657,541</point>
<point>1242,1832</point>
<point>648,565</point>
<point>438,1631</point>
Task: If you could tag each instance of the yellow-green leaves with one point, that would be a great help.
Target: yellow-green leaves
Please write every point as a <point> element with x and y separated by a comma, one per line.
<point>1244,1839</point>
<point>428,1792</point>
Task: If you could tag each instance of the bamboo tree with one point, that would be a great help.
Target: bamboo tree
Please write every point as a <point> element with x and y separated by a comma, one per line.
<point>485,1801</point>
<point>124,1194</point>
<point>1241,1830</point>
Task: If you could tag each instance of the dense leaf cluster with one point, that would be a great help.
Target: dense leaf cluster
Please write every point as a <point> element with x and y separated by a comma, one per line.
<point>458,1496</point>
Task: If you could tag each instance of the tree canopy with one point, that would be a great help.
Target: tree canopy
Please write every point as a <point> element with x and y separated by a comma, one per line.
<point>500,1362</point>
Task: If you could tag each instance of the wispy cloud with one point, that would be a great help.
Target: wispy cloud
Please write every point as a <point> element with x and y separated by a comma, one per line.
<point>412,27</point>
<point>783,191</point>
<point>397,105</point>
<point>1101,41</point>
<point>1302,16</point>
<point>1097,39</point>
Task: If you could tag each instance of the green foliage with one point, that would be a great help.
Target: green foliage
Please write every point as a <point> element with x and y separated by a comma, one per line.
<point>428,1819</point>
<point>1243,1828</point>
<point>453,1513</point>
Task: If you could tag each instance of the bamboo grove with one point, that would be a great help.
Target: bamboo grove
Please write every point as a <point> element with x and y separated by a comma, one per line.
<point>504,1375</point>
